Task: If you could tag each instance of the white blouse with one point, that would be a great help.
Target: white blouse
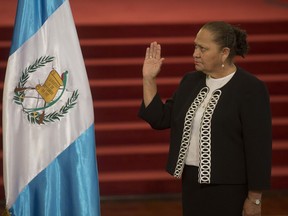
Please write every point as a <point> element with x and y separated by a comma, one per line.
<point>192,157</point>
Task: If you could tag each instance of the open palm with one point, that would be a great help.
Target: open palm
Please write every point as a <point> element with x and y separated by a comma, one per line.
<point>153,61</point>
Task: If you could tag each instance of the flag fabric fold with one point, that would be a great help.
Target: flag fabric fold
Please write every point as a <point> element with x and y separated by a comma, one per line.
<point>49,158</point>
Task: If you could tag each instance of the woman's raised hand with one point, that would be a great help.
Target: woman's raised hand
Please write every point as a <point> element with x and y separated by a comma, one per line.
<point>153,61</point>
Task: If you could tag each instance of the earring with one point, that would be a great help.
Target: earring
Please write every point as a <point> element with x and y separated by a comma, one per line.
<point>222,65</point>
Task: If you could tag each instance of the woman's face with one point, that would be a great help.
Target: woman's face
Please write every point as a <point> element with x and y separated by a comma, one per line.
<point>208,57</point>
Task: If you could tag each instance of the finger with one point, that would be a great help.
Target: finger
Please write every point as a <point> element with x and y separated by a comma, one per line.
<point>147,55</point>
<point>153,49</point>
<point>158,51</point>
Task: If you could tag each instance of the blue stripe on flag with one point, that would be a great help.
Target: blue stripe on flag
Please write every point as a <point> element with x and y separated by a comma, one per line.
<point>58,190</point>
<point>31,15</point>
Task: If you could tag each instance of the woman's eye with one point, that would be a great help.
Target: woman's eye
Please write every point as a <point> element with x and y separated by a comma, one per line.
<point>203,49</point>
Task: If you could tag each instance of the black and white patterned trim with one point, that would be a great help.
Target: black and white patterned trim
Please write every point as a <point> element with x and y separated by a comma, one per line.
<point>205,139</point>
<point>187,131</point>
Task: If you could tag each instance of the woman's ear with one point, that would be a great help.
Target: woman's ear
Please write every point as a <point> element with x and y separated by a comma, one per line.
<point>225,53</point>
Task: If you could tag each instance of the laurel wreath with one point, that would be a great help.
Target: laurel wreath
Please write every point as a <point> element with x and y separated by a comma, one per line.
<point>35,117</point>
<point>41,62</point>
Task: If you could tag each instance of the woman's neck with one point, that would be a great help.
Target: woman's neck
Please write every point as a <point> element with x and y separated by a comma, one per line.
<point>224,71</point>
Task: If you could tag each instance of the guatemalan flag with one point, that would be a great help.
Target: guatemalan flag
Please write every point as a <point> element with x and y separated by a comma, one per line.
<point>48,122</point>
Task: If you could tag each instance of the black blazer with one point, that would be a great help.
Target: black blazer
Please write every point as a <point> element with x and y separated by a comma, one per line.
<point>237,136</point>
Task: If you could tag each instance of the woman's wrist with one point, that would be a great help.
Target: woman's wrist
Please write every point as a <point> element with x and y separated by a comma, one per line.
<point>149,90</point>
<point>255,194</point>
<point>149,79</point>
<point>255,197</point>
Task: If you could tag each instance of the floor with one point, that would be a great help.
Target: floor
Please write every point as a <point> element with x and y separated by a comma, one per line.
<point>274,204</point>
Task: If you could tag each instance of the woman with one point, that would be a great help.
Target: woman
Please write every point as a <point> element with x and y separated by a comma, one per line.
<point>220,142</point>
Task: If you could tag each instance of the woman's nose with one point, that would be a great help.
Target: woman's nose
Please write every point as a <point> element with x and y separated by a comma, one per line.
<point>196,53</point>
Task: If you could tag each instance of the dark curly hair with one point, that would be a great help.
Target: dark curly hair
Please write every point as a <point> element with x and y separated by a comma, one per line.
<point>226,35</point>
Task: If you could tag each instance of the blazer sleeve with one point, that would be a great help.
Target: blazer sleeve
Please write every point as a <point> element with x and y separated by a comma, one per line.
<point>157,114</point>
<point>257,136</point>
